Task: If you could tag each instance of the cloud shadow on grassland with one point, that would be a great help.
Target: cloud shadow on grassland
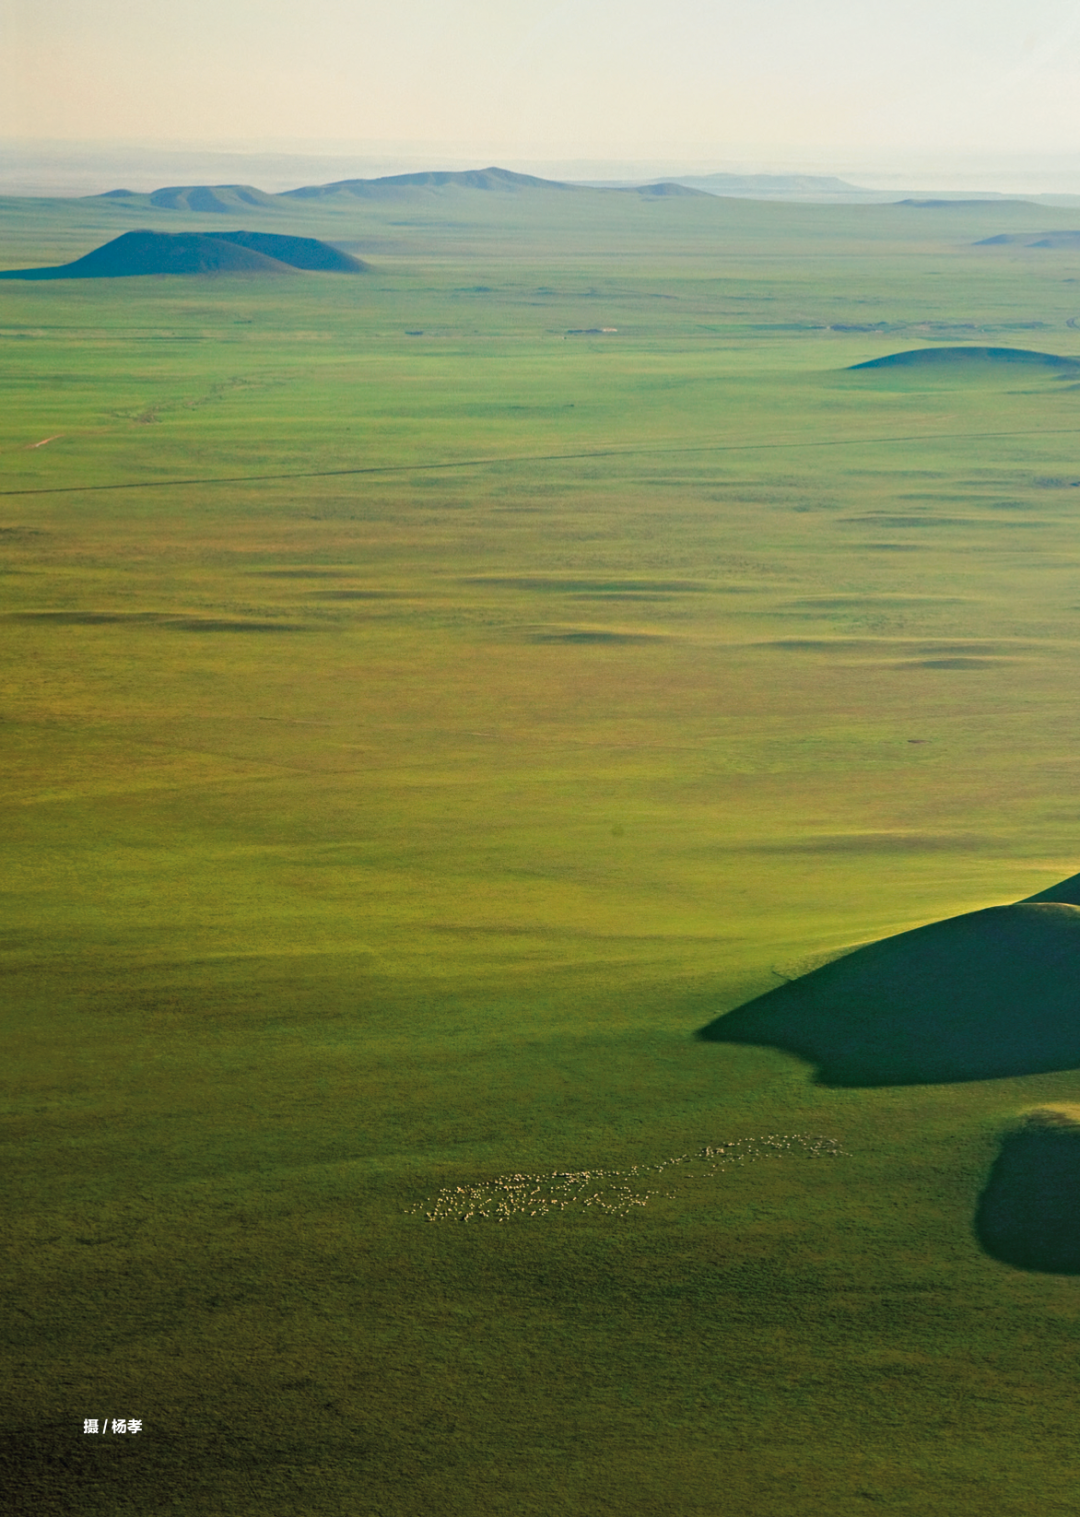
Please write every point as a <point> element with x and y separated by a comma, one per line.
<point>1028,1214</point>
<point>153,619</point>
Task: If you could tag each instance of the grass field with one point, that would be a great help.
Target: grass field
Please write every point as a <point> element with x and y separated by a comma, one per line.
<point>423,715</point>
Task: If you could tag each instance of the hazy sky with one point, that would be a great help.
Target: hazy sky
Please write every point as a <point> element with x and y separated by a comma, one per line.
<point>576,78</point>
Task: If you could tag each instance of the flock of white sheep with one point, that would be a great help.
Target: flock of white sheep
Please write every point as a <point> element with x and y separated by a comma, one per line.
<point>611,1192</point>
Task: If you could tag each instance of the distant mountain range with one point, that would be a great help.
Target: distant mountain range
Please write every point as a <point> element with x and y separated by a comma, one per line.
<point>801,188</point>
<point>229,198</point>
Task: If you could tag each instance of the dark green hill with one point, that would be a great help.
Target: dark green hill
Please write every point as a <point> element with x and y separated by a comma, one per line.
<point>140,253</point>
<point>948,357</point>
<point>989,995</point>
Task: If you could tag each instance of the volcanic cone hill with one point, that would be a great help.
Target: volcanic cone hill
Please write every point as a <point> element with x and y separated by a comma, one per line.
<point>138,253</point>
<point>966,357</point>
<point>1028,1214</point>
<point>988,995</point>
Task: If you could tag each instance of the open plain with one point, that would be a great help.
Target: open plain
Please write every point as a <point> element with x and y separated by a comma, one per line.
<point>433,698</point>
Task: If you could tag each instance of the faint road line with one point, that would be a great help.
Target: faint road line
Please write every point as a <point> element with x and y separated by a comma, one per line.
<point>532,458</point>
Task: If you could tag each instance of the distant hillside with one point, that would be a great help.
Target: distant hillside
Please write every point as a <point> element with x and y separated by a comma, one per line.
<point>1033,240</point>
<point>493,180</point>
<point>228,198</point>
<point>825,189</point>
<point>218,199</point>
<point>797,187</point>
<point>768,186</point>
<point>138,253</point>
<point>964,202</point>
<point>665,187</point>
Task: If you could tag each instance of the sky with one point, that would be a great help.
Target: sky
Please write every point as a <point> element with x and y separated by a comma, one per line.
<point>753,82</point>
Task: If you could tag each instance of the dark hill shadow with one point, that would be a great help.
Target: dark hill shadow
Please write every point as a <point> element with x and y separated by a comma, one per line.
<point>989,995</point>
<point>1029,1214</point>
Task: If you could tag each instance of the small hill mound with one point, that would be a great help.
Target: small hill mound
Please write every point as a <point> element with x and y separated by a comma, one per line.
<point>139,253</point>
<point>988,995</point>
<point>917,358</point>
<point>493,181</point>
<point>1028,1215</point>
<point>668,187</point>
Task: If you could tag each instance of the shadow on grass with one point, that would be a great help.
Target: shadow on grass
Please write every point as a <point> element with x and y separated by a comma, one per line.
<point>989,995</point>
<point>588,635</point>
<point>1028,1214</point>
<point>153,619</point>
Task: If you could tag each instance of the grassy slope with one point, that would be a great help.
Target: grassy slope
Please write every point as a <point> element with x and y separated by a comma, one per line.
<point>372,833</point>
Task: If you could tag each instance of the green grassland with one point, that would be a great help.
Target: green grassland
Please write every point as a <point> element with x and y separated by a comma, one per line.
<point>424,714</point>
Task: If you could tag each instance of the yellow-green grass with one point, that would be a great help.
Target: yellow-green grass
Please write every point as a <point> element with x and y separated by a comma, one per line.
<point>373,833</point>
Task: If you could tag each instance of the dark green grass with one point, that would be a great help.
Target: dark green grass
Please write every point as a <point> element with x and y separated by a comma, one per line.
<point>371,833</point>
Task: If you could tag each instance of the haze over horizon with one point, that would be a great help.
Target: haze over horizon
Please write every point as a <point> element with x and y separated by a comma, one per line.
<point>950,93</point>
